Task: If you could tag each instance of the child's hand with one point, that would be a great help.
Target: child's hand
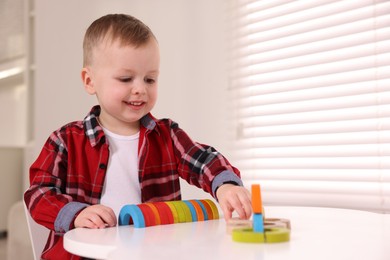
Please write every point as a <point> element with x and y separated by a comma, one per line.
<point>96,216</point>
<point>234,198</point>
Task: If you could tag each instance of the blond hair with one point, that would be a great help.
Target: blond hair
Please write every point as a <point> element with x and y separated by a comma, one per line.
<point>125,28</point>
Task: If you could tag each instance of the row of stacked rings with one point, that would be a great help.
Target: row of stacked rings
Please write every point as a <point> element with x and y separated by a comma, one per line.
<point>167,212</point>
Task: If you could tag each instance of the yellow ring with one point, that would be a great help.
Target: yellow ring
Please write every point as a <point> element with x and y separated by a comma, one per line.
<point>180,211</point>
<point>186,210</point>
<point>174,212</point>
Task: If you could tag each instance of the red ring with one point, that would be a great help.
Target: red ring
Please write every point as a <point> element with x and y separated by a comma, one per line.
<point>155,211</point>
<point>149,216</point>
<point>166,215</point>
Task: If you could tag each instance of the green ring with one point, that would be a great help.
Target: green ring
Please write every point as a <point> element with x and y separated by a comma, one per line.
<point>271,235</point>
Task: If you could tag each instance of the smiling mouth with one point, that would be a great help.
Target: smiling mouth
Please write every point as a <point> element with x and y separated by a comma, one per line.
<point>138,103</point>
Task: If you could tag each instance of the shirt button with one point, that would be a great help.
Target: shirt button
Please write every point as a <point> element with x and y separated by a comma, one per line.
<point>102,166</point>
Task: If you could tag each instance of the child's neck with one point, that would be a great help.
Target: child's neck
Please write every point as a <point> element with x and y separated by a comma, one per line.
<point>125,130</point>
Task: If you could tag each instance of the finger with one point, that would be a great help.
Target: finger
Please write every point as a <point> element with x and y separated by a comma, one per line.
<point>227,211</point>
<point>246,203</point>
<point>97,221</point>
<point>90,224</point>
<point>238,206</point>
<point>108,216</point>
<point>86,223</point>
<point>242,205</point>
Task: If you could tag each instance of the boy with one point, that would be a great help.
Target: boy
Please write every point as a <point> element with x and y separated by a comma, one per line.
<point>120,154</point>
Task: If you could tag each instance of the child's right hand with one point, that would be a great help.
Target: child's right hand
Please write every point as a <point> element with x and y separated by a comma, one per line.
<point>96,216</point>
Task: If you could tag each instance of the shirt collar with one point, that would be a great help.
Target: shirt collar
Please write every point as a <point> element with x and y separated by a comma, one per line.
<point>95,132</point>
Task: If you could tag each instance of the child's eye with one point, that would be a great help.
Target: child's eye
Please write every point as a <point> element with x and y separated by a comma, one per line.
<point>150,80</point>
<point>125,79</point>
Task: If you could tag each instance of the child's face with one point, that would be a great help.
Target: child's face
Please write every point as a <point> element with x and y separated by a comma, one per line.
<point>124,79</point>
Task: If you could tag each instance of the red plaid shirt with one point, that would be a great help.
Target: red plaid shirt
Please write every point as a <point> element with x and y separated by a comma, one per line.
<point>69,173</point>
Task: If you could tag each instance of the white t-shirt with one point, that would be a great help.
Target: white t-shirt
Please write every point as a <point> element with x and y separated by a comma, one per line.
<point>121,186</point>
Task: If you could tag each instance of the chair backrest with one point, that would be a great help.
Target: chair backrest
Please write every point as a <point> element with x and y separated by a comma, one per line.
<point>38,234</point>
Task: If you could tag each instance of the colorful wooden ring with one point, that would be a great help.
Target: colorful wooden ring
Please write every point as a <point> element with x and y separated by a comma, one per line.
<point>131,214</point>
<point>192,210</point>
<point>236,223</point>
<point>155,211</point>
<point>277,235</point>
<point>186,210</point>
<point>165,213</point>
<point>174,212</point>
<point>180,212</point>
<point>207,207</point>
<point>272,235</point>
<point>198,209</point>
<point>202,206</point>
<point>150,219</point>
<point>214,208</point>
<point>277,222</point>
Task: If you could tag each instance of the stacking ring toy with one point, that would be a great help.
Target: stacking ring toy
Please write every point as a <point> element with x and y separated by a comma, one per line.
<point>169,212</point>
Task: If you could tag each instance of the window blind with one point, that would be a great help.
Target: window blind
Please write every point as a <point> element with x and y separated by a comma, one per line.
<point>310,91</point>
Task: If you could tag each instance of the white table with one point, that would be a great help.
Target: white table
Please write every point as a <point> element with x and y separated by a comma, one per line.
<point>317,233</point>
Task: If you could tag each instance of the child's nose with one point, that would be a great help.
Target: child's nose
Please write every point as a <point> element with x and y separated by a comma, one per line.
<point>139,88</point>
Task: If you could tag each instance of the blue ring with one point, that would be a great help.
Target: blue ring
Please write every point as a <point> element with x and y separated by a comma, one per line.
<point>206,216</point>
<point>131,212</point>
<point>192,209</point>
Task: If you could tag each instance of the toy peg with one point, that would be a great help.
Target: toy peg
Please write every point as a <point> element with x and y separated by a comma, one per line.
<point>257,206</point>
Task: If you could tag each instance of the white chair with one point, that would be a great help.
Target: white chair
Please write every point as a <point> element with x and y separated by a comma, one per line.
<point>38,234</point>
<point>18,240</point>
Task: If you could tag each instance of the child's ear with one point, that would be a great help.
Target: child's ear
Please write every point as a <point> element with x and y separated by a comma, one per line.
<point>86,77</point>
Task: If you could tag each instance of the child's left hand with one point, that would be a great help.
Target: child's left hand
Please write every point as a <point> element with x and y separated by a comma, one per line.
<point>234,198</point>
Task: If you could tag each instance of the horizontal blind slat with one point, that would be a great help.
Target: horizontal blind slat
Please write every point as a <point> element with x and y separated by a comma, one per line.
<point>372,203</point>
<point>305,32</point>
<point>351,126</point>
<point>319,60</point>
<point>310,100</point>
<point>369,137</point>
<point>353,150</point>
<point>350,115</point>
<point>281,82</point>
<point>368,162</point>
<point>367,188</point>
<point>249,56</point>
<point>350,89</point>
<point>260,18</point>
<point>339,175</point>
<point>328,69</point>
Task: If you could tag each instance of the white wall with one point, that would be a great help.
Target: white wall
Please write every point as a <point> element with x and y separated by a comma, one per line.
<point>193,79</point>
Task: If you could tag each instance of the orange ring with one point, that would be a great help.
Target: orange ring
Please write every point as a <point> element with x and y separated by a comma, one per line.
<point>198,209</point>
<point>155,211</point>
<point>213,207</point>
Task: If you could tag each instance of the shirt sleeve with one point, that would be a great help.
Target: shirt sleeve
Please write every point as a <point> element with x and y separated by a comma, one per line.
<point>202,165</point>
<point>45,197</point>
